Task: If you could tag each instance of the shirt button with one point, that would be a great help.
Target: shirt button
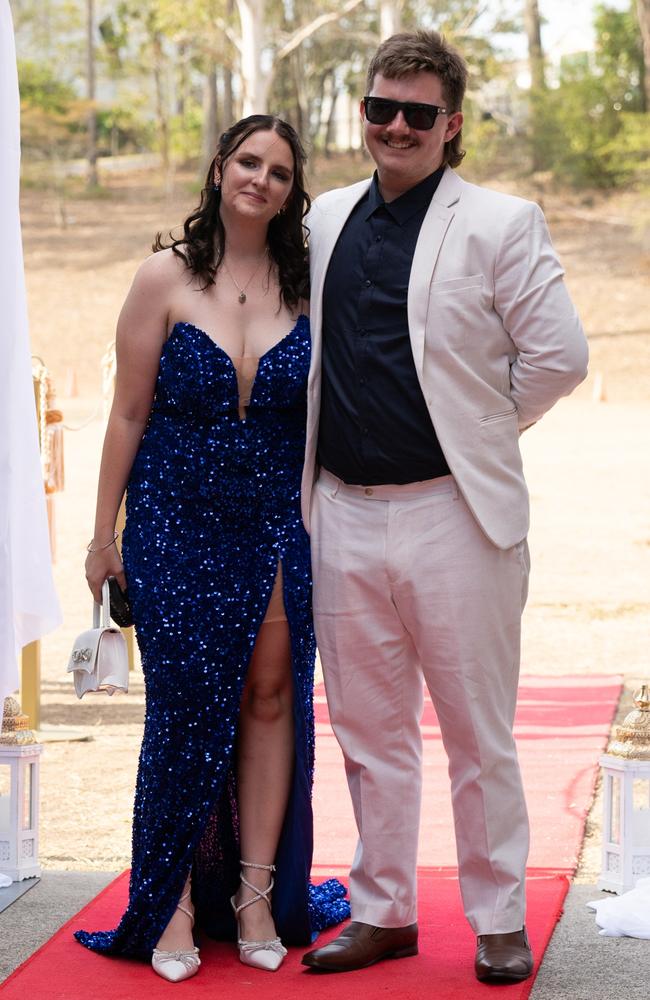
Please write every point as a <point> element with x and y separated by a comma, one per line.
<point>368,491</point>
<point>377,239</point>
<point>367,282</point>
<point>362,381</point>
<point>364,430</point>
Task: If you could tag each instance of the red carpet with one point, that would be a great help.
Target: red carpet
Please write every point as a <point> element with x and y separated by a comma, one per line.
<point>562,726</point>
<point>63,970</point>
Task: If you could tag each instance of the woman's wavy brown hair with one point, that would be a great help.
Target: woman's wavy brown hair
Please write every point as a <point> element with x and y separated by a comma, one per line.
<point>425,51</point>
<point>202,244</point>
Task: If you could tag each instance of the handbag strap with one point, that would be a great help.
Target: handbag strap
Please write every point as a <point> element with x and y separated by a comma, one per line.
<point>104,607</point>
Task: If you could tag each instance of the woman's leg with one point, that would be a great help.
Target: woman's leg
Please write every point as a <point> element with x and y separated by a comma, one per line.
<point>264,766</point>
<point>177,935</point>
<point>264,771</point>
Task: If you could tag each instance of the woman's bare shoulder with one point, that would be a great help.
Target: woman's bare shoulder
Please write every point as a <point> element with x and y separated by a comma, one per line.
<point>156,283</point>
<point>160,269</point>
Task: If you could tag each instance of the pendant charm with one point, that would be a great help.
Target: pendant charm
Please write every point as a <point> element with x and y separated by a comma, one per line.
<point>242,297</point>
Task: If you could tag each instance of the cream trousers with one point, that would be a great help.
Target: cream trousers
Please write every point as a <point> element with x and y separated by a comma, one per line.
<point>408,588</point>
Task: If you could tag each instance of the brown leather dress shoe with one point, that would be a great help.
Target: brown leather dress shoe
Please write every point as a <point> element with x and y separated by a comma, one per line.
<point>503,958</point>
<point>360,945</point>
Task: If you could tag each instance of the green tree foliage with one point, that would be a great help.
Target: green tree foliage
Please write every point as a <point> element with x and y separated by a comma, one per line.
<point>593,130</point>
<point>122,128</point>
<point>334,59</point>
<point>309,82</point>
<point>40,87</point>
<point>619,57</point>
<point>475,28</point>
<point>51,67</point>
<point>166,48</point>
<point>51,32</point>
<point>165,74</point>
<point>53,118</point>
<point>575,125</point>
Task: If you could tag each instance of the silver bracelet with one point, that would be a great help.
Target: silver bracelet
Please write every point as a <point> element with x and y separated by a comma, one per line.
<point>89,547</point>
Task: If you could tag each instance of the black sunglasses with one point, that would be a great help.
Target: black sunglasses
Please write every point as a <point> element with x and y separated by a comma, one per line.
<point>380,111</point>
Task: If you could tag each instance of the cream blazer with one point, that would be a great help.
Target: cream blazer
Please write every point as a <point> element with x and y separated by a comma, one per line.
<point>496,340</point>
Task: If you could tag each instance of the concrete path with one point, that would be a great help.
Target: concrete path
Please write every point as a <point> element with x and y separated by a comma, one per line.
<point>579,964</point>
<point>35,917</point>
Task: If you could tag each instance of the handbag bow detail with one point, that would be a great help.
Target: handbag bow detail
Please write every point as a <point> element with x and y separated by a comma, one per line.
<point>82,655</point>
<point>99,659</point>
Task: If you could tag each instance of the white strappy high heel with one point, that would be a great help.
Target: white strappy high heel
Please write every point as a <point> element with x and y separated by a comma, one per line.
<point>177,965</point>
<point>267,955</point>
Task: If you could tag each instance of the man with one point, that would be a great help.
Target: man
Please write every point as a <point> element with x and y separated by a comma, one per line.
<point>441,330</point>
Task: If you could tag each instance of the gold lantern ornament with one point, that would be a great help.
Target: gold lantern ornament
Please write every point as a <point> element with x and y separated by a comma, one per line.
<point>50,428</point>
<point>19,795</point>
<point>626,800</point>
<point>50,439</point>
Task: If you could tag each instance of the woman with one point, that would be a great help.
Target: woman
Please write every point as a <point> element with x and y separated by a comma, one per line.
<point>207,428</point>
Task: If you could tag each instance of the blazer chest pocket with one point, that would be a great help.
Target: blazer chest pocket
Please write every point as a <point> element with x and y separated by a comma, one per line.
<point>456,312</point>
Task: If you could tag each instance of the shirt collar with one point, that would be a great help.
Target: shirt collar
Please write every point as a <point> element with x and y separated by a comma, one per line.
<point>408,204</point>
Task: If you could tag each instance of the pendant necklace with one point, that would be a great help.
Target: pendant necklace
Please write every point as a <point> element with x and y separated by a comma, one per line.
<point>240,289</point>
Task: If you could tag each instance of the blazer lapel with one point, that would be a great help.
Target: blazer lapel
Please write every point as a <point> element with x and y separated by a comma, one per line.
<point>432,234</point>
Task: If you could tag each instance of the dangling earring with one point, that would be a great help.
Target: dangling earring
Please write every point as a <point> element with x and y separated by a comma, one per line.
<point>216,188</point>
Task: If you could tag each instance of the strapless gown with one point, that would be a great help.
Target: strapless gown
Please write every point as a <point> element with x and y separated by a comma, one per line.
<point>213,521</point>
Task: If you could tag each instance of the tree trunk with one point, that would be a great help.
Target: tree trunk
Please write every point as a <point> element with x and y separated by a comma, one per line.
<point>211,126</point>
<point>161,102</point>
<point>300,99</point>
<point>331,119</point>
<point>255,81</point>
<point>229,114</point>
<point>533,27</point>
<point>92,178</point>
<point>643,17</point>
<point>182,81</point>
<point>390,18</point>
<point>535,52</point>
<point>319,106</point>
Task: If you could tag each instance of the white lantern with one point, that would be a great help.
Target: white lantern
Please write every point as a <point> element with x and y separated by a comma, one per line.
<point>19,798</point>
<point>626,800</point>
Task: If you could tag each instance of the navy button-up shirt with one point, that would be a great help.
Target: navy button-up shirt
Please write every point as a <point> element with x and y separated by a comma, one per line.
<point>374,424</point>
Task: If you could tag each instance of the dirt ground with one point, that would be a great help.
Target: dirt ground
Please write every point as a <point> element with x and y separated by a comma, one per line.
<point>588,467</point>
<point>78,274</point>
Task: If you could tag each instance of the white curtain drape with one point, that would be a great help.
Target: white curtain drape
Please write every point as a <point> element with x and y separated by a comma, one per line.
<point>28,604</point>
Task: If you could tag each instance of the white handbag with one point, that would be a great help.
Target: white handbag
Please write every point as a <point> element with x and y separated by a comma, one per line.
<point>99,658</point>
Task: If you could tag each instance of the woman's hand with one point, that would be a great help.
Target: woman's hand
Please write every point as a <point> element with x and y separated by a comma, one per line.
<point>100,564</point>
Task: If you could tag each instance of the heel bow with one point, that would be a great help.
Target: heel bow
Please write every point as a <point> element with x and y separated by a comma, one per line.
<point>266,955</point>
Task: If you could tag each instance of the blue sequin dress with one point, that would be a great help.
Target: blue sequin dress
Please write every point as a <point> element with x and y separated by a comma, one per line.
<point>212,512</point>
